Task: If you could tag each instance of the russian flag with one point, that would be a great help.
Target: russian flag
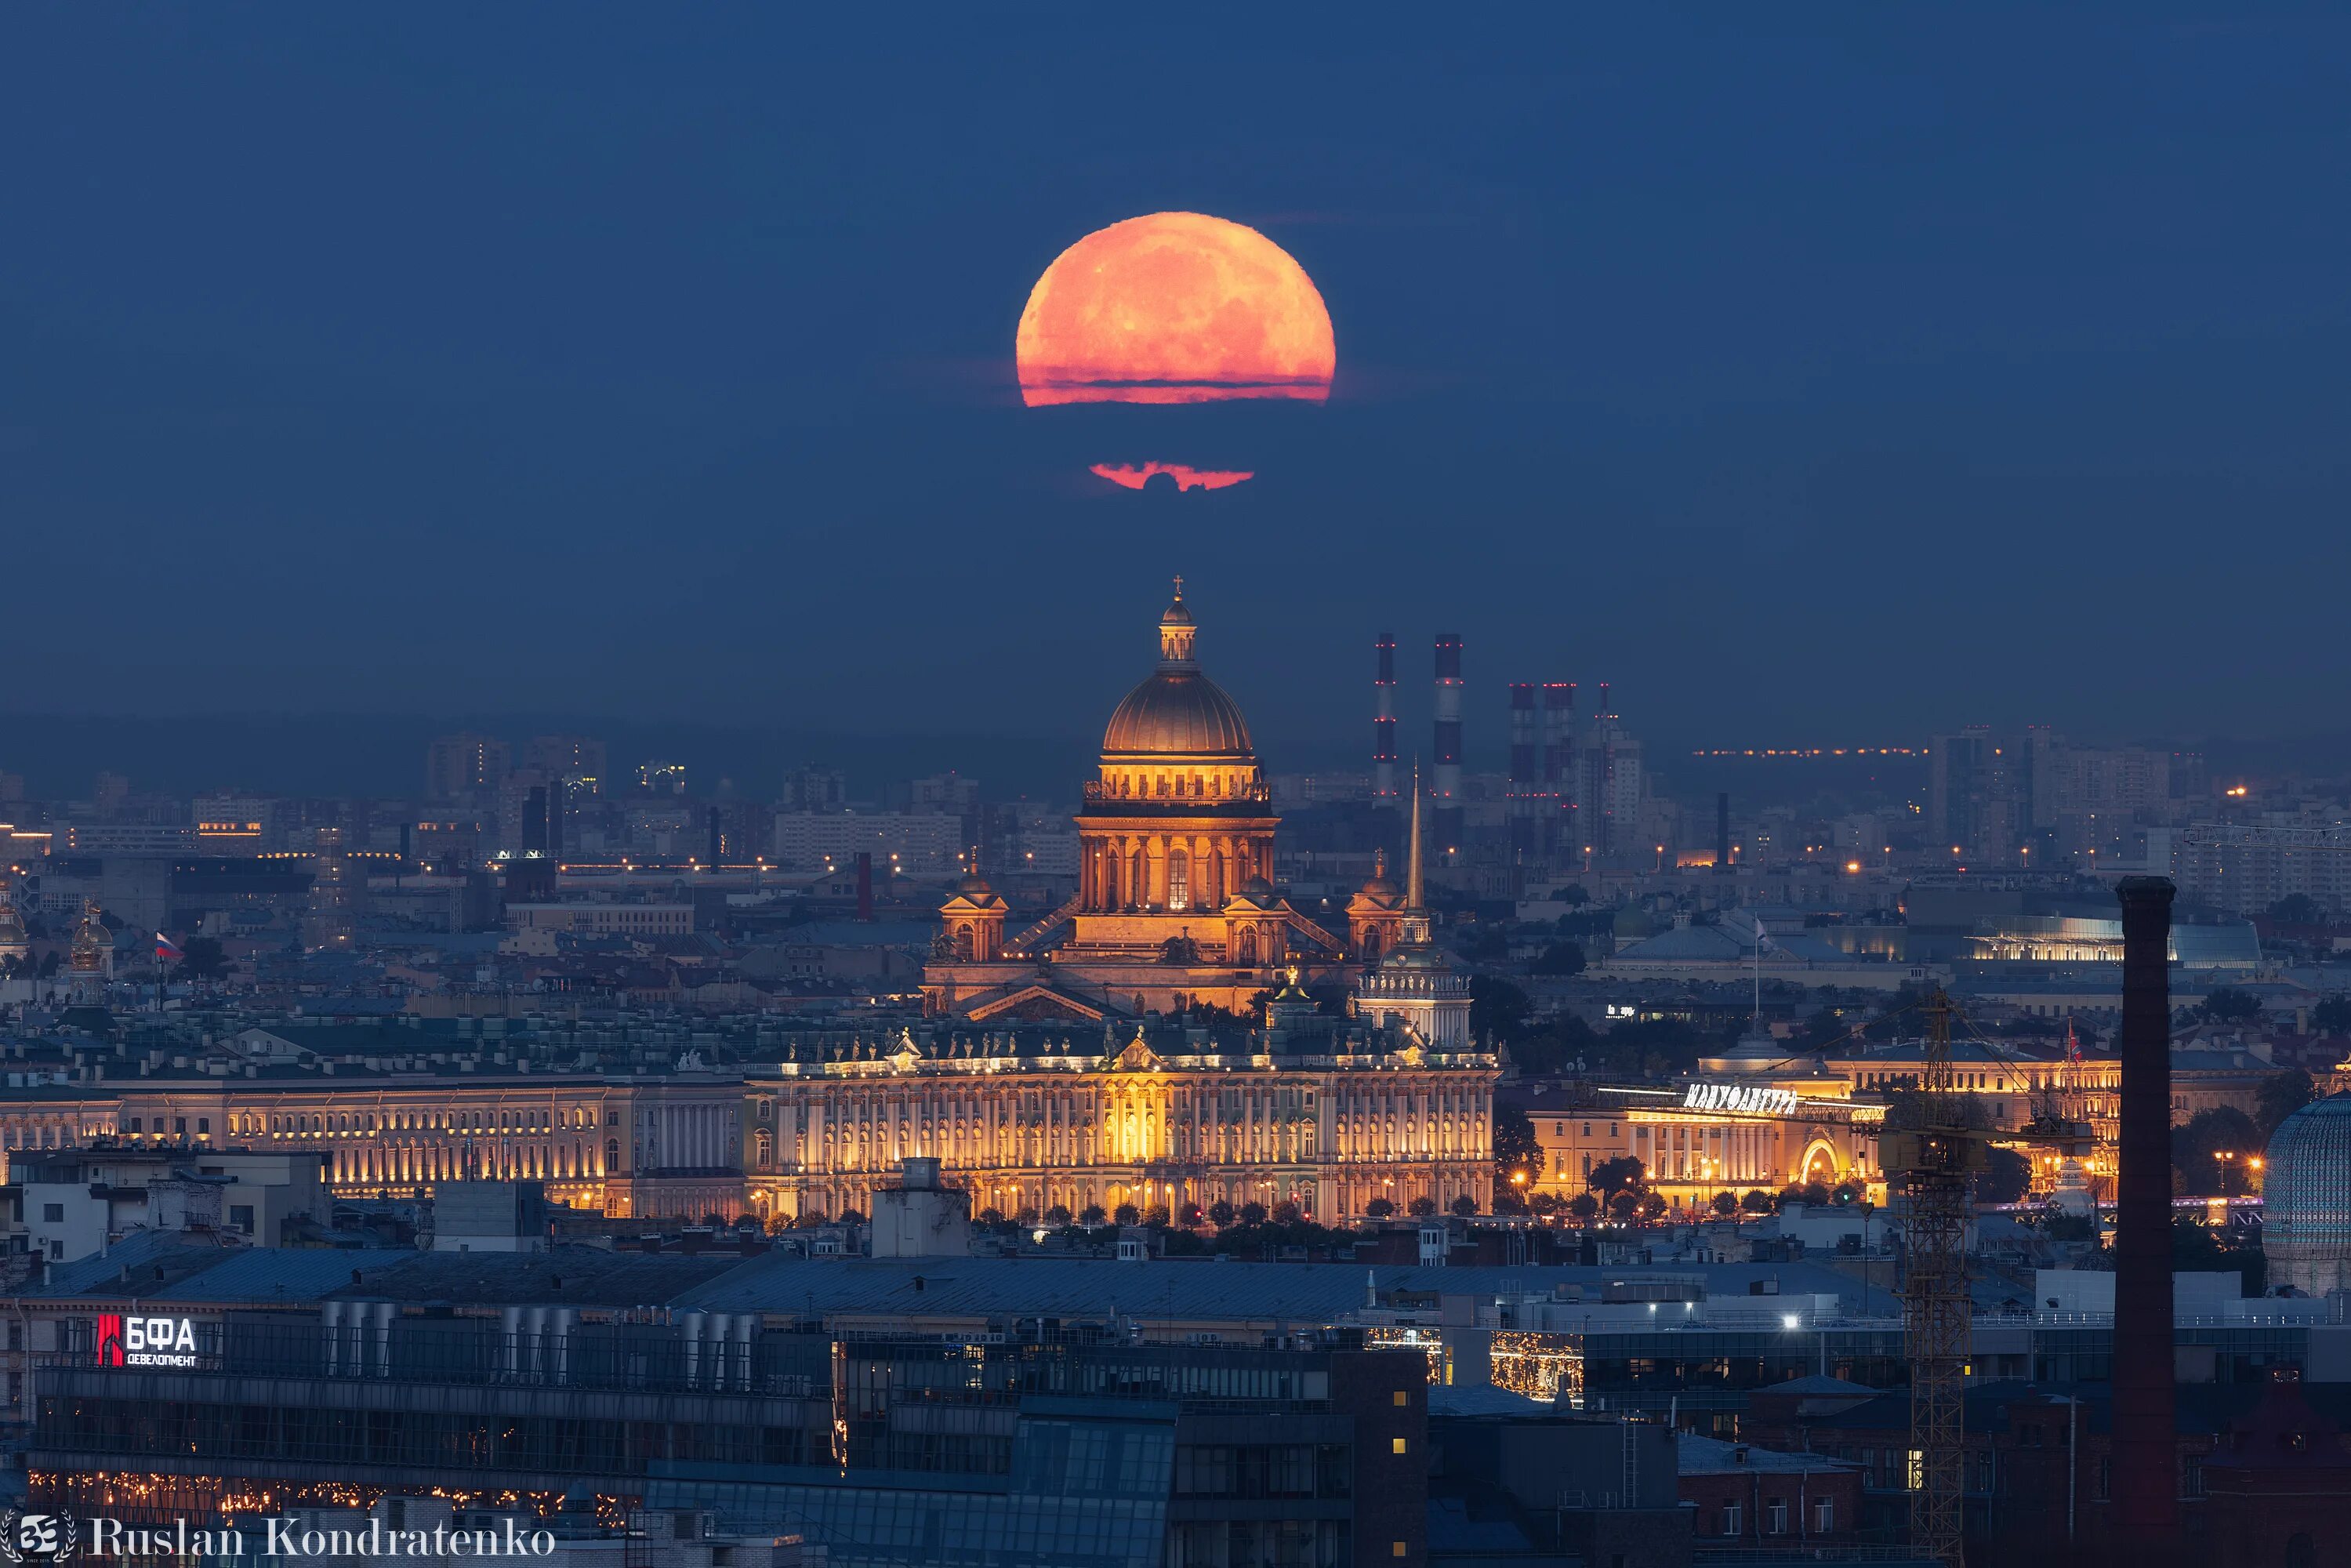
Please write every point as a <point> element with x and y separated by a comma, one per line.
<point>166,950</point>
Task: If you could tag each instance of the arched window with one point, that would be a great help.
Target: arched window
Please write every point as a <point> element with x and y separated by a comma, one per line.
<point>1371,945</point>
<point>612,1155</point>
<point>767,1149</point>
<point>1244,949</point>
<point>963,941</point>
<point>1180,879</point>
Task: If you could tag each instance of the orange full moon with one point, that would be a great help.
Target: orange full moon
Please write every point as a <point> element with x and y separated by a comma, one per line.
<point>1174,308</point>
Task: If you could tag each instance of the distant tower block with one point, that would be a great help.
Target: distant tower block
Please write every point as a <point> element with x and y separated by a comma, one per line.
<point>1384,746</point>
<point>1526,802</point>
<point>1447,782</point>
<point>1558,767</point>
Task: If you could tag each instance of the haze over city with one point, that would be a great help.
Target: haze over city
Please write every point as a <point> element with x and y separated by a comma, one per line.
<point>975,787</point>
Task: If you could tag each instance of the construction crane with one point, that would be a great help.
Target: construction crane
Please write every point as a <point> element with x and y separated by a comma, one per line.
<point>1930,1157</point>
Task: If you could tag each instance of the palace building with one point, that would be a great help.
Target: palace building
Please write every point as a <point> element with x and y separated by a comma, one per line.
<point>1326,1112</point>
<point>632,1146</point>
<point>1176,903</point>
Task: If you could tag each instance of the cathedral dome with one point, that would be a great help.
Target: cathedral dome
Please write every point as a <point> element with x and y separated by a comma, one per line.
<point>2306,1198</point>
<point>1178,712</point>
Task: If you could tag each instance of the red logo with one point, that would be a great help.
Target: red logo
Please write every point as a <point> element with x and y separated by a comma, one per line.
<point>109,1339</point>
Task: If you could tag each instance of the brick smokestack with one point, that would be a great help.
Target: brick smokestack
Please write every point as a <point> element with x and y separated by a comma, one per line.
<point>2146,1511</point>
<point>1384,750</point>
<point>1447,782</point>
<point>865,884</point>
<point>1526,775</point>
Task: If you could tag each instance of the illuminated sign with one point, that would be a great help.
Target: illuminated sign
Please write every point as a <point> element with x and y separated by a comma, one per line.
<point>145,1342</point>
<point>1745,1098</point>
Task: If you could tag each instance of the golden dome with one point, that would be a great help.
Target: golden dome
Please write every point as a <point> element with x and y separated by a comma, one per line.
<point>1178,712</point>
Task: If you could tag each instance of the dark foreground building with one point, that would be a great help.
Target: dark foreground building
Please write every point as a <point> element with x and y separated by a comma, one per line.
<point>985,1449</point>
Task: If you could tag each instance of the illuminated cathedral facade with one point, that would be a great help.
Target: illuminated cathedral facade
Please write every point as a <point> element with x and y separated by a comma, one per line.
<point>1057,1068</point>
<point>1175,903</point>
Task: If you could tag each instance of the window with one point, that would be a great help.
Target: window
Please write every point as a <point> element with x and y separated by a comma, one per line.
<point>134,1124</point>
<point>1824,1515</point>
<point>2191,1475</point>
<point>1775,1516</point>
<point>1403,1397</point>
<point>53,1213</point>
<point>204,1126</point>
<point>2106,1481</point>
<point>1731,1519</point>
<point>178,1123</point>
<point>1399,1445</point>
<point>240,1216</point>
<point>1395,1549</point>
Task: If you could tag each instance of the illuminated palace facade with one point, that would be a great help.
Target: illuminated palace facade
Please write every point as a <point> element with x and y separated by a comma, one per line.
<point>634,1147</point>
<point>1175,904</point>
<point>1325,1113</point>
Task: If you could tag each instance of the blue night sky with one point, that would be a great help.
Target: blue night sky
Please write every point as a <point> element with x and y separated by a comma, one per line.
<point>1815,377</point>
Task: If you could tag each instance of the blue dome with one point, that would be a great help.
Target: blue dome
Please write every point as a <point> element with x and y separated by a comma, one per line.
<point>2306,1198</point>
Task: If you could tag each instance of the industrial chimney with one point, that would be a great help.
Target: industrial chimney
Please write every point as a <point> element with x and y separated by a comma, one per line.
<point>2146,1511</point>
<point>1384,750</point>
<point>1447,782</point>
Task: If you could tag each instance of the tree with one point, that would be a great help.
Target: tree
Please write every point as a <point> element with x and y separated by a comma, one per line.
<point>852,1217</point>
<point>1190,1218</point>
<point>1379,1209</point>
<point>1092,1215</point>
<point>2298,909</point>
<point>2006,1177</point>
<point>1127,1213</point>
<point>1560,959</point>
<point>1421,1207</point>
<point>1464,1206</point>
<point>1623,1206</point>
<point>1220,1214</point>
<point>1653,1206</point>
<point>989,1216</point>
<point>2232,1004</point>
<point>1517,1155</point>
<point>1496,1007</point>
<point>201,959</point>
<point>1287,1212</point>
<point>1623,1174</point>
<point>1488,946</point>
<point>1058,1216</point>
<point>1847,1192</point>
<point>2280,1096</point>
<point>1584,1206</point>
<point>1545,1203</point>
<point>2333,1016</point>
<point>1724,1203</point>
<point>2212,1149</point>
<point>1757,1201</point>
<point>1252,1213</point>
<point>1562,1041</point>
<point>1159,1216</point>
